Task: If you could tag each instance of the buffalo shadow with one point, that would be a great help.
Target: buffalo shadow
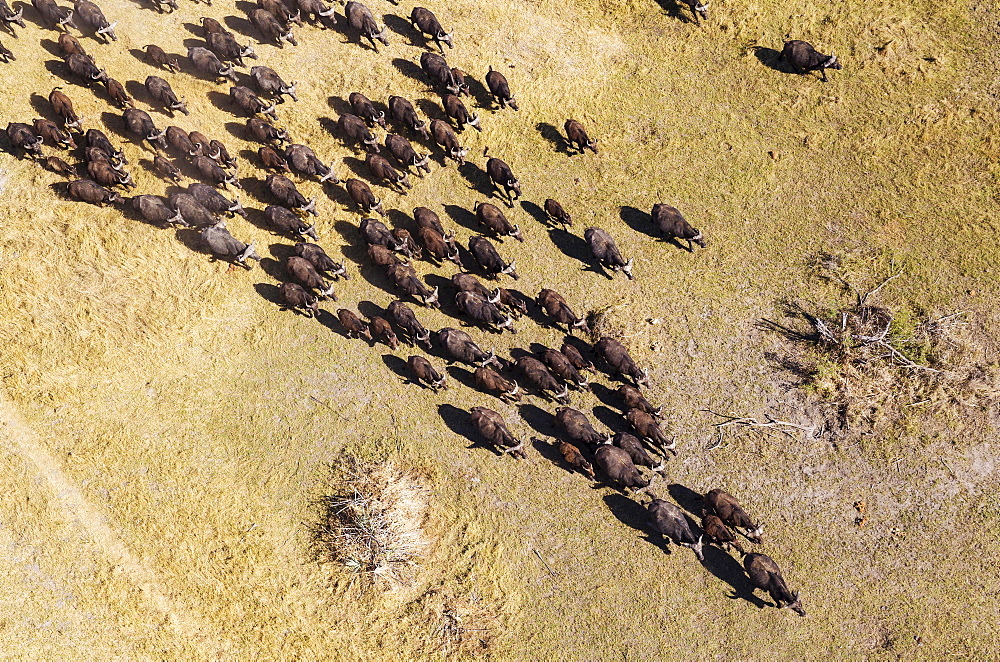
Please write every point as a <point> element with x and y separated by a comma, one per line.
<point>610,419</point>
<point>539,420</point>
<point>400,219</point>
<point>607,396</point>
<point>772,59</point>
<point>550,451</point>
<point>191,238</point>
<point>631,513</point>
<point>462,216</point>
<point>463,376</point>
<point>237,130</point>
<point>725,567</point>
<point>43,108</point>
<point>433,110</point>
<point>458,421</point>
<point>555,137</point>
<point>223,102</point>
<point>243,26</point>
<point>537,213</point>
<point>478,179</point>
<point>402,26</point>
<point>274,268</point>
<point>483,97</point>
<point>370,309</point>
<point>270,292</point>
<point>194,28</point>
<point>686,498</point>
<point>359,169</point>
<point>398,366</point>
<point>574,247</point>
<point>638,220</point>
<point>409,69</point>
<point>50,46</point>
<point>340,105</point>
<point>675,9</point>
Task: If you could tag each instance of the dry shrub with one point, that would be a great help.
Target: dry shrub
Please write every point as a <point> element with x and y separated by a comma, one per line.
<point>462,626</point>
<point>371,521</point>
<point>875,363</point>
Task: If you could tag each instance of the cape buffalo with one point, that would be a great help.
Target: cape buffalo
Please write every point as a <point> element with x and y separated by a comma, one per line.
<point>617,358</point>
<point>91,16</point>
<point>538,377</point>
<point>285,221</point>
<point>576,428</point>
<point>271,160</point>
<point>210,198</point>
<point>403,152</point>
<point>575,357</point>
<point>803,58</point>
<point>425,373</point>
<point>574,458</point>
<point>672,225</point>
<point>22,136</point>
<point>305,162</point>
<point>633,446</point>
<point>606,252</point>
<point>438,247</point>
<point>156,210</point>
<point>304,273</point>
<point>489,380</point>
<point>58,166</point>
<point>224,246</point>
<point>206,62</point>
<point>438,71</point>
<point>251,104</point>
<point>491,217</point>
<point>731,512</point>
<point>363,197</point>
<point>353,324</point>
<point>68,44</point>
<point>53,15</point>
<point>360,18</point>
<point>403,114</point>
<point>97,139</point>
<point>646,427</point>
<point>617,465</point>
<point>82,66</point>
<point>483,312</point>
<point>225,47</point>
<point>319,259</point>
<point>765,574</point>
<point>356,131</point>
<point>720,534</point>
<point>268,82</point>
<point>192,211</point>
<point>284,190</point>
<point>634,399</point>
<point>161,93</point>
<point>158,56</point>
<point>270,29</point>
<point>210,171</point>
<point>119,96</point>
<point>365,109</point>
<point>62,106</point>
<point>295,297</point>
<point>445,136</point>
<point>406,320</point>
<point>425,21</point>
<point>264,132</point>
<point>49,130</point>
<point>577,137</point>
<point>491,425</point>
<point>406,279</point>
<point>555,306</point>
<point>488,258</point>
<point>106,175</point>
<point>383,171</point>
<point>503,178</point>
<point>376,233</point>
<point>87,190</point>
<point>459,346</point>
<point>500,90</point>
<point>670,522</point>
<point>561,367</point>
<point>456,110</point>
<point>382,330</point>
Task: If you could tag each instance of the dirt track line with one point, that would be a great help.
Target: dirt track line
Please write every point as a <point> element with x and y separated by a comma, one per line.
<point>192,629</point>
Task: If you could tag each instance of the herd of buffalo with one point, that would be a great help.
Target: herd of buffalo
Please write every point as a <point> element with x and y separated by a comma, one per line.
<point>311,272</point>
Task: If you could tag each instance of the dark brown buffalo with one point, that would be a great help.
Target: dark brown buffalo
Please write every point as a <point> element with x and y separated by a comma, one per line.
<point>269,83</point>
<point>731,512</point>
<point>192,211</point>
<point>210,171</point>
<point>537,376</point>
<point>634,399</point>
<point>91,16</point>
<point>167,169</point>
<point>491,217</point>
<point>503,178</point>
<point>210,198</point>
<point>563,369</point>
<point>210,26</point>
<point>483,312</point>
<point>87,190</point>
<point>304,273</point>
<point>445,136</point>
<point>500,90</point>
<point>407,245</point>
<point>438,71</point>
<point>633,446</point>
<point>225,47</point>
<point>383,171</point>
<point>282,12</point>
<point>319,259</point>
<point>208,63</point>
<point>23,137</point>
<point>803,58</point>
<point>765,574</point>
<point>295,297</point>
<point>649,429</point>
<point>383,256</point>
<point>403,114</point>
<point>491,426</point>
<point>555,306</point>
<point>576,428</point>
<point>156,210</point>
<point>617,358</point>
<point>249,103</point>
<point>616,464</point>
<point>427,218</point>
<point>162,94</point>
<point>363,197</point>
<point>53,15</point>
<point>10,18</point>
<point>509,301</point>
<point>456,110</point>
<point>672,225</point>
<point>58,166</point>
<point>285,221</point>
<point>179,142</point>
<point>575,357</point>
<point>437,247</point>
<point>699,9</point>
<point>606,252</point>
<point>98,154</point>
<point>157,55</point>
<point>353,325</point>
<point>469,283</point>
<point>403,152</point>
<point>489,380</point>
<point>376,233</point>
<point>49,130</point>
<point>264,132</point>
<point>271,29</point>
<point>202,142</point>
<point>425,373</point>
<point>488,258</point>
<point>720,534</point>
<point>406,279</point>
<point>360,18</point>
<point>365,109</point>
<point>284,190</point>
<point>83,67</point>
<point>220,154</point>
<point>224,246</point>
<point>97,139</point>
<point>105,174</point>
<point>355,131</point>
<point>314,11</point>
<point>576,136</point>
<point>670,522</point>
<point>140,124</point>
<point>68,44</point>
<point>382,330</point>
<point>62,106</point>
<point>271,160</point>
<point>406,320</point>
<point>119,95</point>
<point>305,162</point>
<point>463,85</point>
<point>556,213</point>
<point>425,21</point>
<point>459,346</point>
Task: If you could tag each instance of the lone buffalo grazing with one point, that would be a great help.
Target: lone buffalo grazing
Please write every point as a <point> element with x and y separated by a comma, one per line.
<point>577,137</point>
<point>606,252</point>
<point>765,574</point>
<point>672,225</point>
<point>803,58</point>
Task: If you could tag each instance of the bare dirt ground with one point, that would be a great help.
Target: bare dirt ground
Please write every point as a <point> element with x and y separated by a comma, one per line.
<point>167,429</point>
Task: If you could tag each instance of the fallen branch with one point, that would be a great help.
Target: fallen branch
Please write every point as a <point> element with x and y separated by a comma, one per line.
<point>769,423</point>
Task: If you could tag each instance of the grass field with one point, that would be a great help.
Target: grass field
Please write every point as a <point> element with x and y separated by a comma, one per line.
<point>168,430</point>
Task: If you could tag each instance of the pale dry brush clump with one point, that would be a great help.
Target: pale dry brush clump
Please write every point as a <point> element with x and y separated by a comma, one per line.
<point>371,521</point>
<point>878,364</point>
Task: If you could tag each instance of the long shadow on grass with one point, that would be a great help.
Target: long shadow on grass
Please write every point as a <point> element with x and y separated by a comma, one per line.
<point>458,422</point>
<point>538,419</point>
<point>686,498</point>
<point>772,59</point>
<point>404,28</point>
<point>551,133</point>
<point>610,418</point>
<point>573,247</point>
<point>630,513</point>
<point>398,367</point>
<point>269,292</point>
<point>408,68</point>
<point>729,570</point>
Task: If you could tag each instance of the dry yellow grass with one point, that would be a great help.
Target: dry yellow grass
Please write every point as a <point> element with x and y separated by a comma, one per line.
<point>181,423</point>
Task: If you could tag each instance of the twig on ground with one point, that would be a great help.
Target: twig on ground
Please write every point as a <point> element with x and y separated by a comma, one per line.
<point>769,423</point>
